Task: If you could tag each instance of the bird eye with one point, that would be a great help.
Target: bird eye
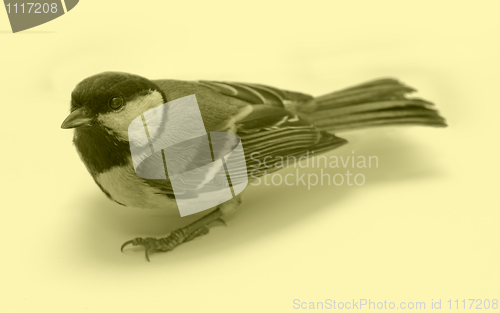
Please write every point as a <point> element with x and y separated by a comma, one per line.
<point>116,103</point>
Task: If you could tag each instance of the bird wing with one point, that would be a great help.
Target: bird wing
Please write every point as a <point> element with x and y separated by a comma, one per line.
<point>269,134</point>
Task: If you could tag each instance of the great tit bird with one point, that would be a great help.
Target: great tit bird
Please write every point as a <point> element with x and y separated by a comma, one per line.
<point>270,121</point>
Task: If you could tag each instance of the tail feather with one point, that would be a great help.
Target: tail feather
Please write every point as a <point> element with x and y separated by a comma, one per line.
<point>377,103</point>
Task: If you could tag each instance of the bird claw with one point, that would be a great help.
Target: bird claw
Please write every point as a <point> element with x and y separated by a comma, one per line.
<point>148,243</point>
<point>126,244</point>
<point>219,220</point>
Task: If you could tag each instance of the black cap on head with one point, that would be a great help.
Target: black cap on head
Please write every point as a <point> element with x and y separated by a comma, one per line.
<point>95,92</point>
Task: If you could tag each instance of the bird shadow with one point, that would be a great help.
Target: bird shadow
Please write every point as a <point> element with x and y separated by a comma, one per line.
<point>265,209</point>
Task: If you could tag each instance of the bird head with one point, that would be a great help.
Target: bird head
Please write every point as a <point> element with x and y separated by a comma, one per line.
<point>110,101</point>
<point>102,108</point>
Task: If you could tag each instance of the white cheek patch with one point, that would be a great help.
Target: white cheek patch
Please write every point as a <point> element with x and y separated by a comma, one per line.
<point>118,122</point>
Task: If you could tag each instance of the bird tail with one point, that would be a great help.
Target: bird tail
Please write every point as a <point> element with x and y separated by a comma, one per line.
<point>377,103</point>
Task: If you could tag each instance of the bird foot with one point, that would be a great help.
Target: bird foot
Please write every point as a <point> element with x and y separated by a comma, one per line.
<point>168,243</point>
<point>178,236</point>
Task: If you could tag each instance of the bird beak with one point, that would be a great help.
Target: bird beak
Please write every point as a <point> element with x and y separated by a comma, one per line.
<point>77,118</point>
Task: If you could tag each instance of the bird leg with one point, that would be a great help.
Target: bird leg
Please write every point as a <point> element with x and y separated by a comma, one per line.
<point>178,236</point>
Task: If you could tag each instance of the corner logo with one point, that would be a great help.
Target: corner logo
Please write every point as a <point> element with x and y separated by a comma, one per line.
<point>204,169</point>
<point>24,14</point>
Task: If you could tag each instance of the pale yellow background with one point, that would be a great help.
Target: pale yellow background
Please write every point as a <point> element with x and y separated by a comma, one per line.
<point>425,225</point>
